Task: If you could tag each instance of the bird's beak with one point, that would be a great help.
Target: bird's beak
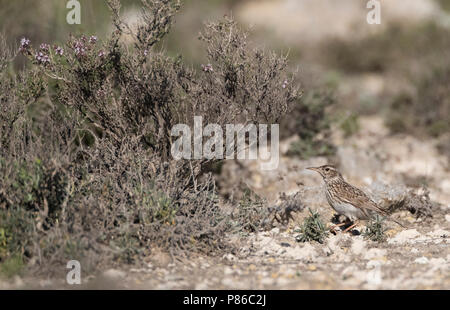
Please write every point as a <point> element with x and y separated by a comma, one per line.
<point>313,169</point>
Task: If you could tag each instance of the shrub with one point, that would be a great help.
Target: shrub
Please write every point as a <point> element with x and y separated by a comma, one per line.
<point>392,49</point>
<point>251,213</point>
<point>350,125</point>
<point>428,112</point>
<point>309,121</point>
<point>85,142</point>
<point>375,230</point>
<point>312,229</point>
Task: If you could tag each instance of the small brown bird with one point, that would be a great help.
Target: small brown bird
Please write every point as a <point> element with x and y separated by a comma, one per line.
<point>347,199</point>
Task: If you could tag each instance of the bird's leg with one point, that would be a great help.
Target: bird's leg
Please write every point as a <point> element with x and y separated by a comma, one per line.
<point>345,222</point>
<point>333,229</point>
<point>351,227</point>
<point>337,225</point>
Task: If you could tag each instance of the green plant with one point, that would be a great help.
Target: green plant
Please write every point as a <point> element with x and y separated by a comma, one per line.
<point>12,266</point>
<point>251,212</point>
<point>389,50</point>
<point>309,121</point>
<point>375,230</point>
<point>408,113</point>
<point>350,125</point>
<point>309,148</point>
<point>312,229</point>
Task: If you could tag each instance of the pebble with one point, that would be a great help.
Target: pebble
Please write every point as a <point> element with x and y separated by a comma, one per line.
<point>421,260</point>
<point>358,245</point>
<point>114,274</point>
<point>405,236</point>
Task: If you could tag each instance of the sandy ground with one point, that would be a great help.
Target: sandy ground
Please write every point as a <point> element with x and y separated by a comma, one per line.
<point>416,257</point>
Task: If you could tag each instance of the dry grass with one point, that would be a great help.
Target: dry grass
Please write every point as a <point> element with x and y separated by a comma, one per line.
<point>85,165</point>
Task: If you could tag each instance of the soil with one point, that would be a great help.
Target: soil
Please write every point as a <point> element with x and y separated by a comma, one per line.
<point>416,257</point>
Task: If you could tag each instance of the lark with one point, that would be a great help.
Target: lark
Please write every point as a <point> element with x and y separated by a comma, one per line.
<point>347,199</point>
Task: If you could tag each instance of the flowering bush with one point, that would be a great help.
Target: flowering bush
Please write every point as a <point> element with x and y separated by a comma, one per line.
<point>85,140</point>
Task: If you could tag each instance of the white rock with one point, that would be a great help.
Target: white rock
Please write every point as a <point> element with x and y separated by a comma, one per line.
<point>204,285</point>
<point>267,281</point>
<point>114,274</point>
<point>405,236</point>
<point>374,253</point>
<point>374,277</point>
<point>373,263</point>
<point>229,257</point>
<point>349,271</point>
<point>228,271</point>
<point>445,186</point>
<point>358,245</point>
<point>439,233</point>
<point>307,252</point>
<point>276,230</point>
<point>421,260</point>
<point>440,263</point>
<point>229,282</point>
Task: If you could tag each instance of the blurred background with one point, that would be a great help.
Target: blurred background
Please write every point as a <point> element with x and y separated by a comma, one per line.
<point>401,63</point>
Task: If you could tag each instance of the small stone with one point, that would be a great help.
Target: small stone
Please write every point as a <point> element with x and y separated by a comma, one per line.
<point>229,257</point>
<point>421,260</point>
<point>228,282</point>
<point>202,285</point>
<point>18,282</point>
<point>373,263</point>
<point>267,281</point>
<point>375,253</point>
<point>406,236</point>
<point>276,230</point>
<point>228,271</point>
<point>312,268</point>
<point>358,246</point>
<point>285,244</point>
<point>114,274</point>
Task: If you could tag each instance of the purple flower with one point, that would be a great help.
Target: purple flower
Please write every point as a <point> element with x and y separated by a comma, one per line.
<point>207,68</point>
<point>93,39</point>
<point>59,50</point>
<point>44,47</point>
<point>285,84</point>
<point>80,48</point>
<point>101,54</point>
<point>42,58</point>
<point>145,52</point>
<point>24,44</point>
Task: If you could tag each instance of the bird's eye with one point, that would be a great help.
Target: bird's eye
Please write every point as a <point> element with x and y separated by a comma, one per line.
<point>327,169</point>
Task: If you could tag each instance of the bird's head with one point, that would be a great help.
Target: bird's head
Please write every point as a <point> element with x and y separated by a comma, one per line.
<point>327,172</point>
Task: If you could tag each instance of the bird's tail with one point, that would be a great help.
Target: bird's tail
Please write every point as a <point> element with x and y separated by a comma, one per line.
<point>388,217</point>
<point>397,222</point>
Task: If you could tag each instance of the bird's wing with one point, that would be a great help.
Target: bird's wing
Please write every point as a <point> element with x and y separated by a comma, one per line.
<point>359,199</point>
